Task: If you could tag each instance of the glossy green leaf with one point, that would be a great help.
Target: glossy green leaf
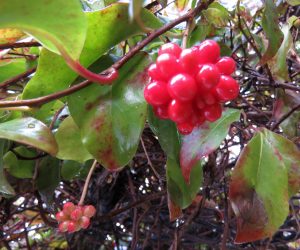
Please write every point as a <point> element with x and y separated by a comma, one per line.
<point>5,188</point>
<point>73,169</point>
<point>267,173</point>
<point>217,15</point>
<point>31,132</point>
<point>59,25</point>
<point>48,178</point>
<point>278,64</point>
<point>205,139</point>
<point>167,134</point>
<point>10,35</point>
<point>20,168</point>
<point>293,2</point>
<point>106,28</point>
<point>270,24</point>
<point>11,69</point>
<point>69,142</point>
<point>111,119</point>
<point>200,32</point>
<point>181,193</point>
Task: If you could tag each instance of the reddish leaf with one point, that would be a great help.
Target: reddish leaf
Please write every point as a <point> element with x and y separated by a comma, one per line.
<point>174,210</point>
<point>204,140</point>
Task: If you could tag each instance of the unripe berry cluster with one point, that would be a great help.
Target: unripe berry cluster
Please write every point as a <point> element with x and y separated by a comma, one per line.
<point>188,86</point>
<point>73,217</point>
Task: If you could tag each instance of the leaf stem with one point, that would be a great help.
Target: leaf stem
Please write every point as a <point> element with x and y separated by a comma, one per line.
<point>86,184</point>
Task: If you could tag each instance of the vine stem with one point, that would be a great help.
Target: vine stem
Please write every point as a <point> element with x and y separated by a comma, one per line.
<point>86,184</point>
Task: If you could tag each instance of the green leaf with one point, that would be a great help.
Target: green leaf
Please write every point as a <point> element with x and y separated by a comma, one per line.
<point>111,119</point>
<point>17,167</point>
<point>106,28</point>
<point>278,64</point>
<point>181,4</point>
<point>204,140</point>
<point>59,25</point>
<point>199,33</point>
<point>5,188</point>
<point>167,134</point>
<point>270,24</point>
<point>48,178</point>
<point>31,132</point>
<point>181,193</point>
<point>73,169</point>
<point>267,173</point>
<point>293,2</point>
<point>10,35</point>
<point>12,68</point>
<point>217,15</point>
<point>69,142</point>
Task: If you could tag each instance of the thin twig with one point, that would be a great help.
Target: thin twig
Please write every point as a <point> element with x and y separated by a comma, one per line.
<point>284,117</point>
<point>17,78</point>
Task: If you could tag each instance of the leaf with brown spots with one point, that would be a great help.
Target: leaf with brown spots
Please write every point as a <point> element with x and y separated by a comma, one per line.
<point>111,118</point>
<point>267,173</point>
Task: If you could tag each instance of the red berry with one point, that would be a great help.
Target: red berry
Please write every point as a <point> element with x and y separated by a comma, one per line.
<point>84,222</point>
<point>213,112</point>
<point>209,52</point>
<point>61,216</point>
<point>63,227</point>
<point>170,48</point>
<point>76,214</point>
<point>208,76</point>
<point>89,211</point>
<point>154,72</point>
<point>182,87</point>
<point>185,128</point>
<point>189,60</point>
<point>197,117</point>
<point>226,65</point>
<point>161,112</point>
<point>200,104</point>
<point>209,98</point>
<point>72,227</point>
<point>156,93</point>
<point>227,88</point>
<point>179,112</point>
<point>68,208</point>
<point>168,65</point>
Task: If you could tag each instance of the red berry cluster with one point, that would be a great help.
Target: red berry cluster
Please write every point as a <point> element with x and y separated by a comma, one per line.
<point>188,86</point>
<point>72,218</point>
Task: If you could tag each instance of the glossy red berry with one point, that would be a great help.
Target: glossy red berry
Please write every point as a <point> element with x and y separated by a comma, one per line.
<point>182,87</point>
<point>188,60</point>
<point>209,52</point>
<point>84,222</point>
<point>212,112</point>
<point>156,93</point>
<point>226,65</point>
<point>227,88</point>
<point>199,102</point>
<point>68,208</point>
<point>208,76</point>
<point>179,112</point>
<point>209,98</point>
<point>72,227</point>
<point>76,214</point>
<point>154,72</point>
<point>61,216</point>
<point>63,227</point>
<point>170,48</point>
<point>185,128</point>
<point>168,65</point>
<point>161,112</point>
<point>89,211</point>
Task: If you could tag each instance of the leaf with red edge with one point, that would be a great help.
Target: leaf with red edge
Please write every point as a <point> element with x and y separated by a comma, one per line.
<point>175,211</point>
<point>111,118</point>
<point>204,140</point>
<point>260,202</point>
<point>270,24</point>
<point>10,35</point>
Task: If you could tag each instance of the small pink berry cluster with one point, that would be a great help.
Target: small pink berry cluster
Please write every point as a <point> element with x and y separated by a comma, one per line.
<point>73,217</point>
<point>188,86</point>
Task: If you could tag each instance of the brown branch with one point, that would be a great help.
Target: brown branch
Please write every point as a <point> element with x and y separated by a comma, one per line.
<point>37,102</point>
<point>19,45</point>
<point>17,78</point>
<point>284,117</point>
